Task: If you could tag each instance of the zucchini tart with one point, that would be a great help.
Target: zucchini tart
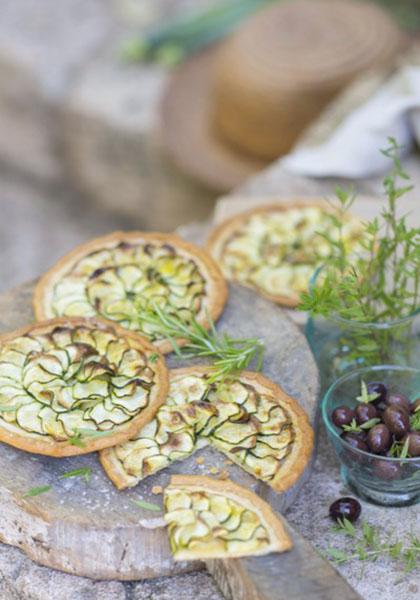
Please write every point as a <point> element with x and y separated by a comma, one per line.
<point>251,420</point>
<point>121,275</point>
<point>219,519</point>
<point>276,248</point>
<point>72,386</point>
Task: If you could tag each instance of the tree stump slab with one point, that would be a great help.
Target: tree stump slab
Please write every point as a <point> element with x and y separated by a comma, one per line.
<point>92,529</point>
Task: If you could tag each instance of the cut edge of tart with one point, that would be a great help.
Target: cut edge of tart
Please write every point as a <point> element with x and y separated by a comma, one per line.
<point>294,463</point>
<point>30,439</point>
<point>215,283</point>
<point>221,233</point>
<point>231,520</point>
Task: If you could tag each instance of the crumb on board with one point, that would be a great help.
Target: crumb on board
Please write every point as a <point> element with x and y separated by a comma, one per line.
<point>157,489</point>
<point>228,463</point>
<point>224,474</point>
<point>199,460</point>
<point>214,470</point>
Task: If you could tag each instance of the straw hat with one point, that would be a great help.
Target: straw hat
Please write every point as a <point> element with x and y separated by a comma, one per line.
<point>230,110</point>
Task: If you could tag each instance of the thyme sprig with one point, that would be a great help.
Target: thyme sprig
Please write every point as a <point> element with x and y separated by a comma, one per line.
<point>382,281</point>
<point>230,355</point>
<point>356,428</point>
<point>368,544</point>
<point>365,397</point>
<point>379,282</point>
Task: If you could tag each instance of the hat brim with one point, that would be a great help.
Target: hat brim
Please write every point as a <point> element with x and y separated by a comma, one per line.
<point>188,132</point>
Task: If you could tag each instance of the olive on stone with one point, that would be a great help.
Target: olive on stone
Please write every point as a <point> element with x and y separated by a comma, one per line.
<point>342,415</point>
<point>379,438</point>
<point>397,421</point>
<point>365,412</point>
<point>387,470</point>
<point>376,387</point>
<point>400,401</point>
<point>355,441</point>
<point>348,508</point>
<point>413,443</point>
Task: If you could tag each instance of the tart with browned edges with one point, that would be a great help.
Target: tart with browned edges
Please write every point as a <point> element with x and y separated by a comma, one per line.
<point>120,275</point>
<point>251,420</point>
<point>71,386</point>
<point>275,249</point>
<point>219,519</point>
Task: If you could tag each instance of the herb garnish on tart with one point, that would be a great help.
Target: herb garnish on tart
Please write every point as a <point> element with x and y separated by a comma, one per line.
<point>84,379</point>
<point>219,519</point>
<point>249,419</point>
<point>122,274</point>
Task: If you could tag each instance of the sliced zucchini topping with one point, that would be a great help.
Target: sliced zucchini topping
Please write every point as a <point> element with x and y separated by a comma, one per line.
<point>250,427</point>
<point>119,282</point>
<point>278,251</point>
<point>83,378</point>
<point>202,523</point>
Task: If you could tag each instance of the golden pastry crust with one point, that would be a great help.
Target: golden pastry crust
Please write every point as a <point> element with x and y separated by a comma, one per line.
<point>221,235</point>
<point>290,440</point>
<point>270,525</point>
<point>207,298</point>
<point>66,378</point>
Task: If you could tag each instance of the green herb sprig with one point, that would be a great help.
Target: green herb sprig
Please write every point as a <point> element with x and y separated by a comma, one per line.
<point>229,355</point>
<point>365,397</point>
<point>147,505</point>
<point>368,544</point>
<point>377,283</point>
<point>84,472</point>
<point>356,428</point>
<point>36,491</point>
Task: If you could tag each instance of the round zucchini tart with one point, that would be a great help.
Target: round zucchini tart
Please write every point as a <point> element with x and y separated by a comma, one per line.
<point>71,386</point>
<point>121,275</point>
<point>219,519</point>
<point>251,420</point>
<point>276,248</point>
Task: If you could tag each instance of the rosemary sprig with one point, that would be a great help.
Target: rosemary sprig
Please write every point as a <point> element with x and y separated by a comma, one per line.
<point>365,397</point>
<point>354,427</point>
<point>147,505</point>
<point>36,491</point>
<point>83,432</point>
<point>367,544</point>
<point>85,472</point>
<point>229,355</point>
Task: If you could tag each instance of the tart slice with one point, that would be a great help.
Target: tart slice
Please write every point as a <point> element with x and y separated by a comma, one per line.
<point>120,276</point>
<point>72,386</point>
<point>209,519</point>
<point>276,248</point>
<point>251,420</point>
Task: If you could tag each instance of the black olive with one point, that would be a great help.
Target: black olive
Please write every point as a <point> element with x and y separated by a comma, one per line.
<point>387,470</point>
<point>355,441</point>
<point>365,412</point>
<point>399,401</point>
<point>376,387</point>
<point>342,415</point>
<point>397,421</point>
<point>348,508</point>
<point>413,443</point>
<point>379,438</point>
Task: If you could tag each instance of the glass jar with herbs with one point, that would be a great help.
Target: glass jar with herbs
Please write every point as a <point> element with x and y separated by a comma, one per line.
<point>364,302</point>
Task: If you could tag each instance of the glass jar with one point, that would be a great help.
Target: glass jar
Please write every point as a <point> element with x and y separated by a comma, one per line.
<point>340,345</point>
<point>380,479</point>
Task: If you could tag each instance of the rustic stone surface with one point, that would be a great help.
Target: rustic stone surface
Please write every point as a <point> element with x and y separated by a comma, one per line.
<point>41,45</point>
<point>112,150</point>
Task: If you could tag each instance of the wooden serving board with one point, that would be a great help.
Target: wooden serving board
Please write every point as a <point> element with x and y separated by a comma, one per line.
<point>92,529</point>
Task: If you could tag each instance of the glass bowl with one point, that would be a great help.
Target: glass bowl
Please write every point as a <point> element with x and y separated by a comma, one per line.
<point>380,479</point>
